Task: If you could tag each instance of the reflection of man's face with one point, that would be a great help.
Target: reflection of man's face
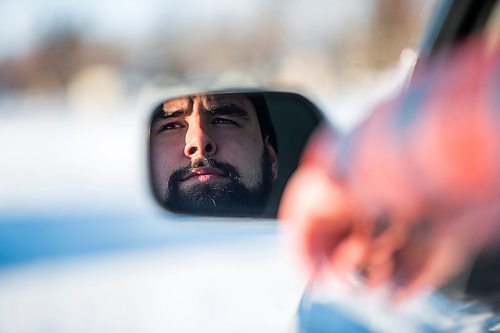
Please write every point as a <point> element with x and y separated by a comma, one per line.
<point>208,156</point>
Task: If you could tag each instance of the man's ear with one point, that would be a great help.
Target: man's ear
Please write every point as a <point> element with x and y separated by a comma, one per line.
<point>273,158</point>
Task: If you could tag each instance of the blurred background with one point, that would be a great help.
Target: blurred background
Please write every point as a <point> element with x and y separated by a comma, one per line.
<point>94,56</point>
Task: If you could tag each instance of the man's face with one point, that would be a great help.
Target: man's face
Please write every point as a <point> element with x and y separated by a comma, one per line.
<point>208,156</point>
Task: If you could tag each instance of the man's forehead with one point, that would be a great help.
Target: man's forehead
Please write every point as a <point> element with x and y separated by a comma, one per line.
<point>207,102</point>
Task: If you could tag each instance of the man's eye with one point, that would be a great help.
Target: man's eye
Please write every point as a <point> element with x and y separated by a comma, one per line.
<point>224,121</point>
<point>169,126</point>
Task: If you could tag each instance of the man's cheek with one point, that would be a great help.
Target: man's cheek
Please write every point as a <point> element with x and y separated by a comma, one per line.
<point>251,175</point>
<point>163,176</point>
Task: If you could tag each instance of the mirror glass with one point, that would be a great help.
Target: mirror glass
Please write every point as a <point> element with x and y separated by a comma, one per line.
<point>229,153</point>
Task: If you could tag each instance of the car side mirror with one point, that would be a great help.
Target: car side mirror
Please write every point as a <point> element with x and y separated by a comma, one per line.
<point>227,153</point>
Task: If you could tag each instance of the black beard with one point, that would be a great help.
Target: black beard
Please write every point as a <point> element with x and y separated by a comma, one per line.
<point>230,198</point>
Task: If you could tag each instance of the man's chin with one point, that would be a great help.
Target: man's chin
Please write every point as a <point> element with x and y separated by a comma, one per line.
<point>216,198</point>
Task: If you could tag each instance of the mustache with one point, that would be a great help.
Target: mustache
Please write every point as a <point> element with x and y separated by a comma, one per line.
<point>225,168</point>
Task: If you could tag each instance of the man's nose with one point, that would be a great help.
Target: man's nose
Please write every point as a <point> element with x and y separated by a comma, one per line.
<point>199,142</point>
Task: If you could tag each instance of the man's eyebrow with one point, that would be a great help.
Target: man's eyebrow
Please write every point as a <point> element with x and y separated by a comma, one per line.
<point>161,114</point>
<point>173,113</point>
<point>231,110</point>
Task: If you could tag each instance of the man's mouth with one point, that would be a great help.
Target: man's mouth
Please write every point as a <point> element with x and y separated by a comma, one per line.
<point>204,174</point>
